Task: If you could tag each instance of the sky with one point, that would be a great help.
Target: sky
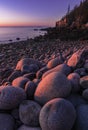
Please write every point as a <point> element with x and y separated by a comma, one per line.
<point>33,12</point>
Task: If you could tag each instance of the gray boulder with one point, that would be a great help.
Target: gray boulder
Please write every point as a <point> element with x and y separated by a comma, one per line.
<point>24,127</point>
<point>84,82</point>
<point>29,113</point>
<point>27,61</point>
<point>54,85</point>
<point>74,78</point>
<point>82,117</point>
<point>6,122</point>
<point>57,114</point>
<point>11,97</point>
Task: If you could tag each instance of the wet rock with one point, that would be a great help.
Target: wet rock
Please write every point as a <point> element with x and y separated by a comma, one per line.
<point>84,82</point>
<point>11,97</point>
<point>29,113</point>
<point>54,85</point>
<point>54,115</point>
<point>74,78</point>
<point>82,117</point>
<point>36,81</point>
<point>86,65</point>
<point>63,68</point>
<point>15,113</point>
<point>20,82</point>
<point>30,89</point>
<point>6,122</point>
<point>24,127</point>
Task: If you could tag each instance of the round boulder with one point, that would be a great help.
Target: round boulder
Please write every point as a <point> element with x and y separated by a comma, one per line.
<point>24,127</point>
<point>11,97</point>
<point>27,61</point>
<point>62,68</point>
<point>82,117</point>
<point>74,78</point>
<point>30,89</point>
<point>54,62</point>
<point>29,113</point>
<point>84,82</point>
<point>20,82</point>
<point>57,114</point>
<point>85,94</point>
<point>6,122</point>
<point>52,86</point>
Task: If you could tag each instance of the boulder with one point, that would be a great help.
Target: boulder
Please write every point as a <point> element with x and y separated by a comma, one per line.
<point>80,71</point>
<point>24,127</point>
<point>6,122</point>
<point>11,97</point>
<point>57,114</point>
<point>63,68</point>
<point>76,100</point>
<point>20,82</point>
<point>30,76</point>
<point>82,117</point>
<point>54,85</point>
<point>54,62</point>
<point>84,82</point>
<point>27,61</point>
<point>30,89</point>
<point>29,113</point>
<point>77,60</point>
<point>85,94</point>
<point>74,78</point>
<point>15,74</point>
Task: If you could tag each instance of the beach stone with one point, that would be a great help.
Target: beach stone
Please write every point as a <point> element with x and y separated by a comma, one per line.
<point>6,122</point>
<point>20,82</point>
<point>85,94</point>
<point>84,82</point>
<point>54,115</point>
<point>54,85</point>
<point>6,73</point>
<point>82,117</point>
<point>30,89</point>
<point>76,100</point>
<point>54,62</point>
<point>29,68</point>
<point>63,68</point>
<point>11,97</point>
<point>75,79</point>
<point>41,72</point>
<point>27,61</point>
<point>29,113</point>
<point>30,76</point>
<point>24,127</point>
<point>78,58</point>
<point>15,74</point>
<point>80,71</point>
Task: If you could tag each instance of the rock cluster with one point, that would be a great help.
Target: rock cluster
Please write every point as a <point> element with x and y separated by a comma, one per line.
<point>51,96</point>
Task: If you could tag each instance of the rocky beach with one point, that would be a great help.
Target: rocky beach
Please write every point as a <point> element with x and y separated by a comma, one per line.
<point>44,85</point>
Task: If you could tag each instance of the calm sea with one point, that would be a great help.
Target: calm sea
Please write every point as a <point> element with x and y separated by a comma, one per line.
<point>11,33</point>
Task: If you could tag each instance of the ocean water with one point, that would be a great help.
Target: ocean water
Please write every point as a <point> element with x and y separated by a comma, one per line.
<point>11,33</point>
